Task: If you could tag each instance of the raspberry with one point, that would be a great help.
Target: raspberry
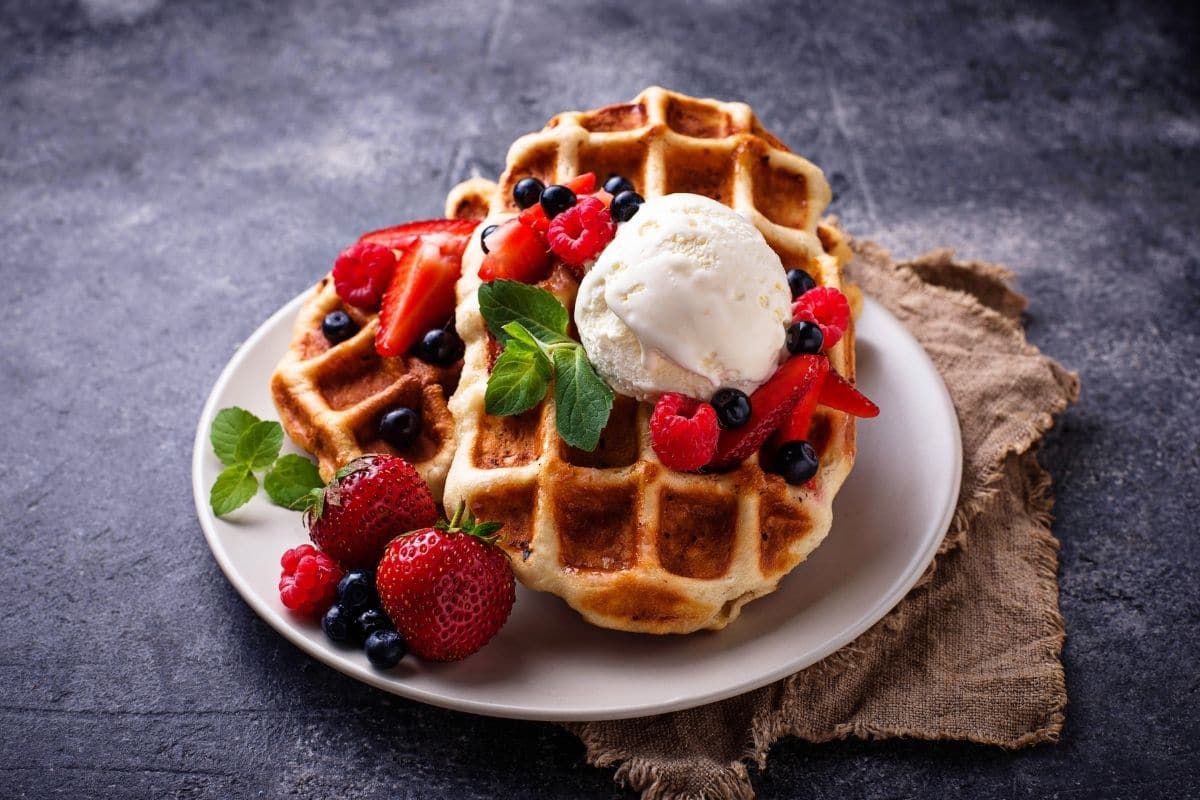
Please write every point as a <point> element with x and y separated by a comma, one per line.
<point>683,432</point>
<point>308,584</point>
<point>578,234</point>
<point>362,272</point>
<point>827,308</point>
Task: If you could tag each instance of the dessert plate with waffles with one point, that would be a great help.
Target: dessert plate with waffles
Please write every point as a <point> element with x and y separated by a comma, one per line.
<point>613,437</point>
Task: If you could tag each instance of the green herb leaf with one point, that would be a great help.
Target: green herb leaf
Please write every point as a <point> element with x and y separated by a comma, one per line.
<point>582,401</point>
<point>520,333</point>
<point>502,302</point>
<point>292,481</point>
<point>519,380</point>
<point>233,489</point>
<point>259,445</point>
<point>227,428</point>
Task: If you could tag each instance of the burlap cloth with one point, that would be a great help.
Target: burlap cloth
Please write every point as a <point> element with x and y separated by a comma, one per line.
<point>973,652</point>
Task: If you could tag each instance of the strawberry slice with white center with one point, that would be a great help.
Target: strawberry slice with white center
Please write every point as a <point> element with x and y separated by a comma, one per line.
<point>515,252</point>
<point>441,232</point>
<point>421,294</point>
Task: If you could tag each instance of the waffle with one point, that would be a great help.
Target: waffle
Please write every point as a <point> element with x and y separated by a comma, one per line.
<point>625,541</point>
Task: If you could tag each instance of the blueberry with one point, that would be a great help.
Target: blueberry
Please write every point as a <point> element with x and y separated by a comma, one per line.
<point>400,427</point>
<point>483,237</point>
<point>337,624</point>
<point>440,346</point>
<point>800,282</point>
<point>805,337</point>
<point>556,199</point>
<point>369,621</point>
<point>796,462</point>
<point>356,590</point>
<point>617,184</point>
<point>338,327</point>
<point>384,649</point>
<point>527,192</point>
<point>732,407</point>
<point>625,205</point>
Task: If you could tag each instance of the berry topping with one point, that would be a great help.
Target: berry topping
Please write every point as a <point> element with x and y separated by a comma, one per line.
<point>400,427</point>
<point>795,427</point>
<point>769,407</point>
<point>444,233</point>
<point>362,272</point>
<point>384,649</point>
<point>797,462</point>
<point>535,219</point>
<point>440,346</point>
<point>617,184</point>
<point>369,502</point>
<point>447,589</point>
<point>799,282</point>
<point>839,393</point>
<point>625,205</point>
<point>732,407</point>
<point>584,183</point>
<point>828,308</point>
<point>527,192</point>
<point>578,234</point>
<point>421,294</point>
<point>356,590</point>
<point>518,253</point>
<point>369,621</point>
<point>309,580</point>
<point>804,337</point>
<point>483,237</point>
<point>556,199</point>
<point>338,327</point>
<point>338,624</point>
<point>683,432</point>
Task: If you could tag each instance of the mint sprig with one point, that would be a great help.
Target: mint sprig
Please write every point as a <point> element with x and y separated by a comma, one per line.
<point>246,444</point>
<point>532,325</point>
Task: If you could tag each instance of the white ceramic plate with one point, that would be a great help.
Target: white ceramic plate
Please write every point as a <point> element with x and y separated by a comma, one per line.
<point>547,663</point>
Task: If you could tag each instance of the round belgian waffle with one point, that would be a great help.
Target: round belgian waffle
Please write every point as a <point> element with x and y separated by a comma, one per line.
<point>627,542</point>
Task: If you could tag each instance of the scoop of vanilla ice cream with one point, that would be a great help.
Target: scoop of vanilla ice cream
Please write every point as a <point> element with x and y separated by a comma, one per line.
<point>689,298</point>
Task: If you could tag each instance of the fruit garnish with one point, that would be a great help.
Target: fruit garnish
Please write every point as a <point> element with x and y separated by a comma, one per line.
<point>578,234</point>
<point>535,219</point>
<point>828,308</point>
<point>338,327</point>
<point>440,346</point>
<point>246,444</point>
<point>483,238</point>
<point>448,589</point>
<point>362,272</point>
<point>617,184</point>
<point>795,427</point>
<point>527,192</point>
<point>309,580</point>
<point>515,252</point>
<point>439,232</point>
<point>732,407</point>
<point>369,502</point>
<point>769,407</point>
<point>804,337</point>
<point>384,648</point>
<point>683,432</point>
<point>532,325</point>
<point>625,205</point>
<point>797,462</point>
<point>799,282</point>
<point>420,296</point>
<point>400,427</point>
<point>839,393</point>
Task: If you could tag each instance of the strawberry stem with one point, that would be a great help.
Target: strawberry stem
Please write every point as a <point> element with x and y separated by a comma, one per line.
<point>462,521</point>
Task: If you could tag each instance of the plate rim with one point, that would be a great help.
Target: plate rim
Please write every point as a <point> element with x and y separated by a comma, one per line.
<point>334,659</point>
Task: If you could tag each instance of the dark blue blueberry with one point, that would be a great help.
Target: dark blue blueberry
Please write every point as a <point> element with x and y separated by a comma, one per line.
<point>732,407</point>
<point>483,237</point>
<point>804,337</point>
<point>527,192</point>
<point>799,282</point>
<point>625,205</point>
<point>796,462</point>
<point>369,621</point>
<point>338,327</point>
<point>400,427</point>
<point>440,346</point>
<point>556,199</point>
<point>384,649</point>
<point>338,624</point>
<point>617,184</point>
<point>356,590</point>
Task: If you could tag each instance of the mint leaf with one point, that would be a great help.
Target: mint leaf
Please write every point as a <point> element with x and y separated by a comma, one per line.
<point>502,302</point>
<point>233,489</point>
<point>519,379</point>
<point>582,401</point>
<point>227,428</point>
<point>519,333</point>
<point>259,445</point>
<point>292,481</point>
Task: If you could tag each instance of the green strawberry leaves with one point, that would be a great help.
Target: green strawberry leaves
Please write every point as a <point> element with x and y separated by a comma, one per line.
<point>246,444</point>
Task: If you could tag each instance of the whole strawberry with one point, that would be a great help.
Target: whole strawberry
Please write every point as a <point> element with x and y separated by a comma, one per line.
<point>448,589</point>
<point>369,502</point>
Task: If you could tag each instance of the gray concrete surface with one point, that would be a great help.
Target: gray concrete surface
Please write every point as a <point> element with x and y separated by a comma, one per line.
<point>170,173</point>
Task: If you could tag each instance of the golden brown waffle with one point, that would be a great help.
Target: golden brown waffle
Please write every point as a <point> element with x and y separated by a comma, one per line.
<point>628,543</point>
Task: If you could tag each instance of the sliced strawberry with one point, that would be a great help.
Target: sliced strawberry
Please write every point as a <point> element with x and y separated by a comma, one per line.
<point>769,408</point>
<point>439,231</point>
<point>839,393</point>
<point>582,184</point>
<point>515,252</point>
<point>795,427</point>
<point>420,297</point>
<point>535,219</point>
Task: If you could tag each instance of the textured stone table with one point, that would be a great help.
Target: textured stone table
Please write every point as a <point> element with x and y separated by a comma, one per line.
<point>171,173</point>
